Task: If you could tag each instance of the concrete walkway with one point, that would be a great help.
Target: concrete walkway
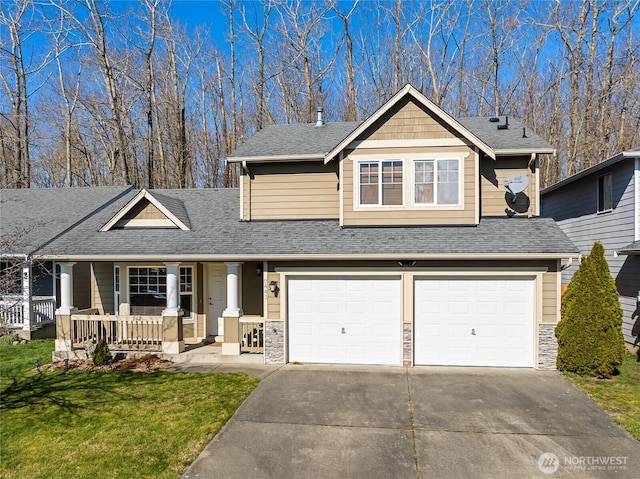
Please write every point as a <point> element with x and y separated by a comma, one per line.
<point>368,422</point>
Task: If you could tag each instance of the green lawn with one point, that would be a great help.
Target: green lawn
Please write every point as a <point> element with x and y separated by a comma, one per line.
<point>620,396</point>
<point>95,425</point>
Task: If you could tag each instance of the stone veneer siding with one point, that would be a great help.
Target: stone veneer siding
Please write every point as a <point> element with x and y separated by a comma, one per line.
<point>547,347</point>
<point>407,343</point>
<point>274,342</point>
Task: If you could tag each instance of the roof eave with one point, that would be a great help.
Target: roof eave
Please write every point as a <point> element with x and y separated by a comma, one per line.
<point>524,151</point>
<point>326,257</point>
<point>592,169</point>
<point>275,158</point>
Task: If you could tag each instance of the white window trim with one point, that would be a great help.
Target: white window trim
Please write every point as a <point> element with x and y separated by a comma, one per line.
<point>435,184</point>
<point>380,160</point>
<point>408,160</point>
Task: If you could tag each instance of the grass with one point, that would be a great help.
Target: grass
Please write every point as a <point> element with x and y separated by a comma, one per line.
<point>619,396</point>
<point>77,424</point>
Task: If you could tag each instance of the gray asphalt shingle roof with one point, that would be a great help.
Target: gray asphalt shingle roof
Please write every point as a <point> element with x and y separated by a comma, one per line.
<point>218,232</point>
<point>308,139</point>
<point>29,218</point>
<point>505,139</point>
<point>295,139</point>
<point>633,248</point>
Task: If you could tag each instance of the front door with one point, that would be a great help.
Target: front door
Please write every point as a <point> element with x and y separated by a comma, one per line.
<point>217,296</point>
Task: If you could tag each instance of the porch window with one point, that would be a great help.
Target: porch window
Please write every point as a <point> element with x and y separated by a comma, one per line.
<point>436,182</point>
<point>381,183</point>
<point>148,290</point>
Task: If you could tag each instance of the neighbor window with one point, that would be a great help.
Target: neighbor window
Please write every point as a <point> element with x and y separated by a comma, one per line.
<point>381,183</point>
<point>605,193</point>
<point>436,182</point>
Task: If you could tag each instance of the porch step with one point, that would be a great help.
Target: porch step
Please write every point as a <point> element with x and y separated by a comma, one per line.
<point>209,354</point>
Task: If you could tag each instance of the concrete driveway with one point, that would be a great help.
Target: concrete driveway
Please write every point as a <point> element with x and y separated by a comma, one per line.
<point>367,422</point>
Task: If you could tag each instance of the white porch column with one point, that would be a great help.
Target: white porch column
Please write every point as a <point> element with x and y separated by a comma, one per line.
<point>173,287</point>
<point>172,332</point>
<point>232,313</point>
<point>233,291</point>
<point>26,296</point>
<point>66,289</point>
<point>64,341</point>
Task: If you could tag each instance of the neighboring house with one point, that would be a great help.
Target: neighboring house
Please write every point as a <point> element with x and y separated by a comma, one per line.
<point>602,203</point>
<point>29,220</point>
<point>409,238</point>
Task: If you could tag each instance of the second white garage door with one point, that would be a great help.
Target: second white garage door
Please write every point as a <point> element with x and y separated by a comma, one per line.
<point>474,321</point>
<point>352,320</point>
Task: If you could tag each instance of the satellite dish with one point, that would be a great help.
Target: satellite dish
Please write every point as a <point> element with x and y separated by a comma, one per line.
<point>516,183</point>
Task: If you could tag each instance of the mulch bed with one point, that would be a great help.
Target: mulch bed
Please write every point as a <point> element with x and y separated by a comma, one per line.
<point>144,364</point>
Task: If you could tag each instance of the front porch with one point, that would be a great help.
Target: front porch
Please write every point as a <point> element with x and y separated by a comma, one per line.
<point>26,316</point>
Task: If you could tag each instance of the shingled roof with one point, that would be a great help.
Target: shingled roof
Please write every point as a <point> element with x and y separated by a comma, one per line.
<point>217,235</point>
<point>309,141</point>
<point>31,217</point>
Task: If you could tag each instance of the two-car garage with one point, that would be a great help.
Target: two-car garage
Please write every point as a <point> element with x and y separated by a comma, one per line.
<point>456,320</point>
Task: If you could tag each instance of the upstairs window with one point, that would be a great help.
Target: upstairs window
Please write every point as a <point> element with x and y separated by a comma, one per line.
<point>605,193</point>
<point>381,183</point>
<point>436,182</point>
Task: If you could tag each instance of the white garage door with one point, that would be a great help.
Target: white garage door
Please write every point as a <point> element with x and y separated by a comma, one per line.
<point>474,321</point>
<point>352,320</point>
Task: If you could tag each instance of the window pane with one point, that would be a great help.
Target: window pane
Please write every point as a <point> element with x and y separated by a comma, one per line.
<point>368,183</point>
<point>448,186</point>
<point>605,187</point>
<point>392,182</point>
<point>423,182</point>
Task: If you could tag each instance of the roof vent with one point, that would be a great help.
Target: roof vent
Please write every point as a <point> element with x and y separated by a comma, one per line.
<point>506,124</point>
<point>320,120</point>
<point>524,132</point>
<point>494,119</point>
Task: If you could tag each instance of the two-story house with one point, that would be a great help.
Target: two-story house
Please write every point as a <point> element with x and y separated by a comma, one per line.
<point>410,238</point>
<point>602,203</point>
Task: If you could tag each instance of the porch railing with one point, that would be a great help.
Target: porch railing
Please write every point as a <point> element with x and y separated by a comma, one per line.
<point>12,308</point>
<point>126,333</point>
<point>252,335</point>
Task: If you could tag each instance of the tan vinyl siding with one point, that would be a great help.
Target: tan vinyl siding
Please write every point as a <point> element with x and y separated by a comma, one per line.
<point>492,190</point>
<point>102,287</point>
<point>273,302</point>
<point>252,304</point>
<point>246,196</point>
<point>82,285</point>
<point>410,122</point>
<point>188,330</point>
<point>407,214</point>
<point>302,190</point>
<point>550,313</point>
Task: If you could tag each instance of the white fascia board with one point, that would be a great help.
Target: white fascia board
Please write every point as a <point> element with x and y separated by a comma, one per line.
<point>272,159</point>
<point>325,257</point>
<point>428,104</point>
<point>525,151</point>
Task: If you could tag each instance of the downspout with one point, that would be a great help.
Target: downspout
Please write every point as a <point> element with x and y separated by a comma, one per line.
<point>246,184</point>
<point>534,185</point>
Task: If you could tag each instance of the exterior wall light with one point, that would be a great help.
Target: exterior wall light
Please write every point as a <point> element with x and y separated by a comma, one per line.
<point>273,287</point>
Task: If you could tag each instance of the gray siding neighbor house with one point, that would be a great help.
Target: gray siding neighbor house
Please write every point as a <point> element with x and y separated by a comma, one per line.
<point>602,203</point>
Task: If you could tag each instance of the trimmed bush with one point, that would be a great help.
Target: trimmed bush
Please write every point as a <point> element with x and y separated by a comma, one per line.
<point>101,355</point>
<point>590,340</point>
